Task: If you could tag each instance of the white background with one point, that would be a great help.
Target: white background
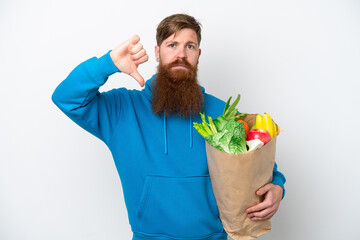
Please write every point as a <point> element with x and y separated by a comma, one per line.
<point>297,60</point>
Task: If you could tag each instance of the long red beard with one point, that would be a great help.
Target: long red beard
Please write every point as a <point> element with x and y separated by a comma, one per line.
<point>177,92</point>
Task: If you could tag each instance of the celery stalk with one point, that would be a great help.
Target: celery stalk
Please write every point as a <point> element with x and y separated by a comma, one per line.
<point>200,130</point>
<point>212,125</point>
<point>208,130</point>
<point>206,125</point>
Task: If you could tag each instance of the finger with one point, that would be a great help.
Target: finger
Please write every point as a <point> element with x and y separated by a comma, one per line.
<point>136,48</point>
<point>261,213</point>
<point>138,55</point>
<point>261,191</point>
<point>135,39</point>
<point>258,207</point>
<point>136,75</point>
<point>268,216</point>
<point>264,217</point>
<point>141,60</point>
<point>132,41</point>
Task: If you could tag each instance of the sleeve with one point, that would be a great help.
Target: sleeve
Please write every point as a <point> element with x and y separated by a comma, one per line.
<point>79,98</point>
<point>278,178</point>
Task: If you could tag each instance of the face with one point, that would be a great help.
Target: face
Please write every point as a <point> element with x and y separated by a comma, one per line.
<point>183,45</point>
<point>176,90</point>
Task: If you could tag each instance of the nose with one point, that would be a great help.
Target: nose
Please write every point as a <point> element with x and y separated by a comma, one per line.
<point>181,53</point>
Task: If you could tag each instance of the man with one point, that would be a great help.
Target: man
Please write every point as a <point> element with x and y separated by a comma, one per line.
<point>161,161</point>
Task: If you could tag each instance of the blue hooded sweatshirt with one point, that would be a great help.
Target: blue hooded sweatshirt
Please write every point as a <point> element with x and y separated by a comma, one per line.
<point>161,160</point>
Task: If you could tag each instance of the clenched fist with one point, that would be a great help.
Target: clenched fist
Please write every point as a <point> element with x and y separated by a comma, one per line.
<point>128,56</point>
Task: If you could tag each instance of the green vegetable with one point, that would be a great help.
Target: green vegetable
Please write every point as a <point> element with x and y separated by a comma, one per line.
<point>230,112</point>
<point>224,133</point>
<point>201,130</point>
<point>240,116</point>
<point>205,129</point>
<point>212,125</point>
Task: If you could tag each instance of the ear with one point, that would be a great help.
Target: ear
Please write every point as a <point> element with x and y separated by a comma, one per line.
<point>157,51</point>
<point>199,55</point>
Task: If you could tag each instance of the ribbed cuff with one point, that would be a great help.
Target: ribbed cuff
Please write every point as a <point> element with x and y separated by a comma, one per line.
<point>105,66</point>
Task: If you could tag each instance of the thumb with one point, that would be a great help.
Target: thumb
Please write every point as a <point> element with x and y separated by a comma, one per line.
<point>261,191</point>
<point>136,75</point>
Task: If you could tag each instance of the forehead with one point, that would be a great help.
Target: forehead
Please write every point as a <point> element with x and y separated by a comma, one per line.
<point>183,35</point>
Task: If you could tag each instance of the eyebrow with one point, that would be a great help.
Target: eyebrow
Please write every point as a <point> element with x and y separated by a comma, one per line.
<point>176,42</point>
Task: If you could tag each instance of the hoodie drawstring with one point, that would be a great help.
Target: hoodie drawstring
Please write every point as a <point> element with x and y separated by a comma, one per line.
<point>165,135</point>
<point>191,135</point>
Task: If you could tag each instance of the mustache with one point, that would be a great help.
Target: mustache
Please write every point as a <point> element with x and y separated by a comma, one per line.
<point>180,61</point>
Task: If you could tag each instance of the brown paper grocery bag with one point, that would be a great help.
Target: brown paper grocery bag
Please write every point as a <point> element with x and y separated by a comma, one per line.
<point>235,178</point>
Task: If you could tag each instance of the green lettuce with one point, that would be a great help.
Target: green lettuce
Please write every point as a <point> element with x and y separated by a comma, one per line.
<point>224,133</point>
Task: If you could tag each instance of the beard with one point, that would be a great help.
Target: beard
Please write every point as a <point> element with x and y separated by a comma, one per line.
<point>176,91</point>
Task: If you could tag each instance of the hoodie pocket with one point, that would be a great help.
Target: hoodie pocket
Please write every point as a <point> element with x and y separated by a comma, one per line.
<point>182,207</point>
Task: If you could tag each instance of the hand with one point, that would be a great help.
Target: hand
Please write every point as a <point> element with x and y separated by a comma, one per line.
<point>128,56</point>
<point>267,208</point>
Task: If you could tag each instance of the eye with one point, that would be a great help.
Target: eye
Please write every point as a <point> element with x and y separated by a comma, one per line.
<point>191,47</point>
<point>172,45</point>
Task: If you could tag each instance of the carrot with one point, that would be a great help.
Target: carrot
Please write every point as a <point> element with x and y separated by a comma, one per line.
<point>246,126</point>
